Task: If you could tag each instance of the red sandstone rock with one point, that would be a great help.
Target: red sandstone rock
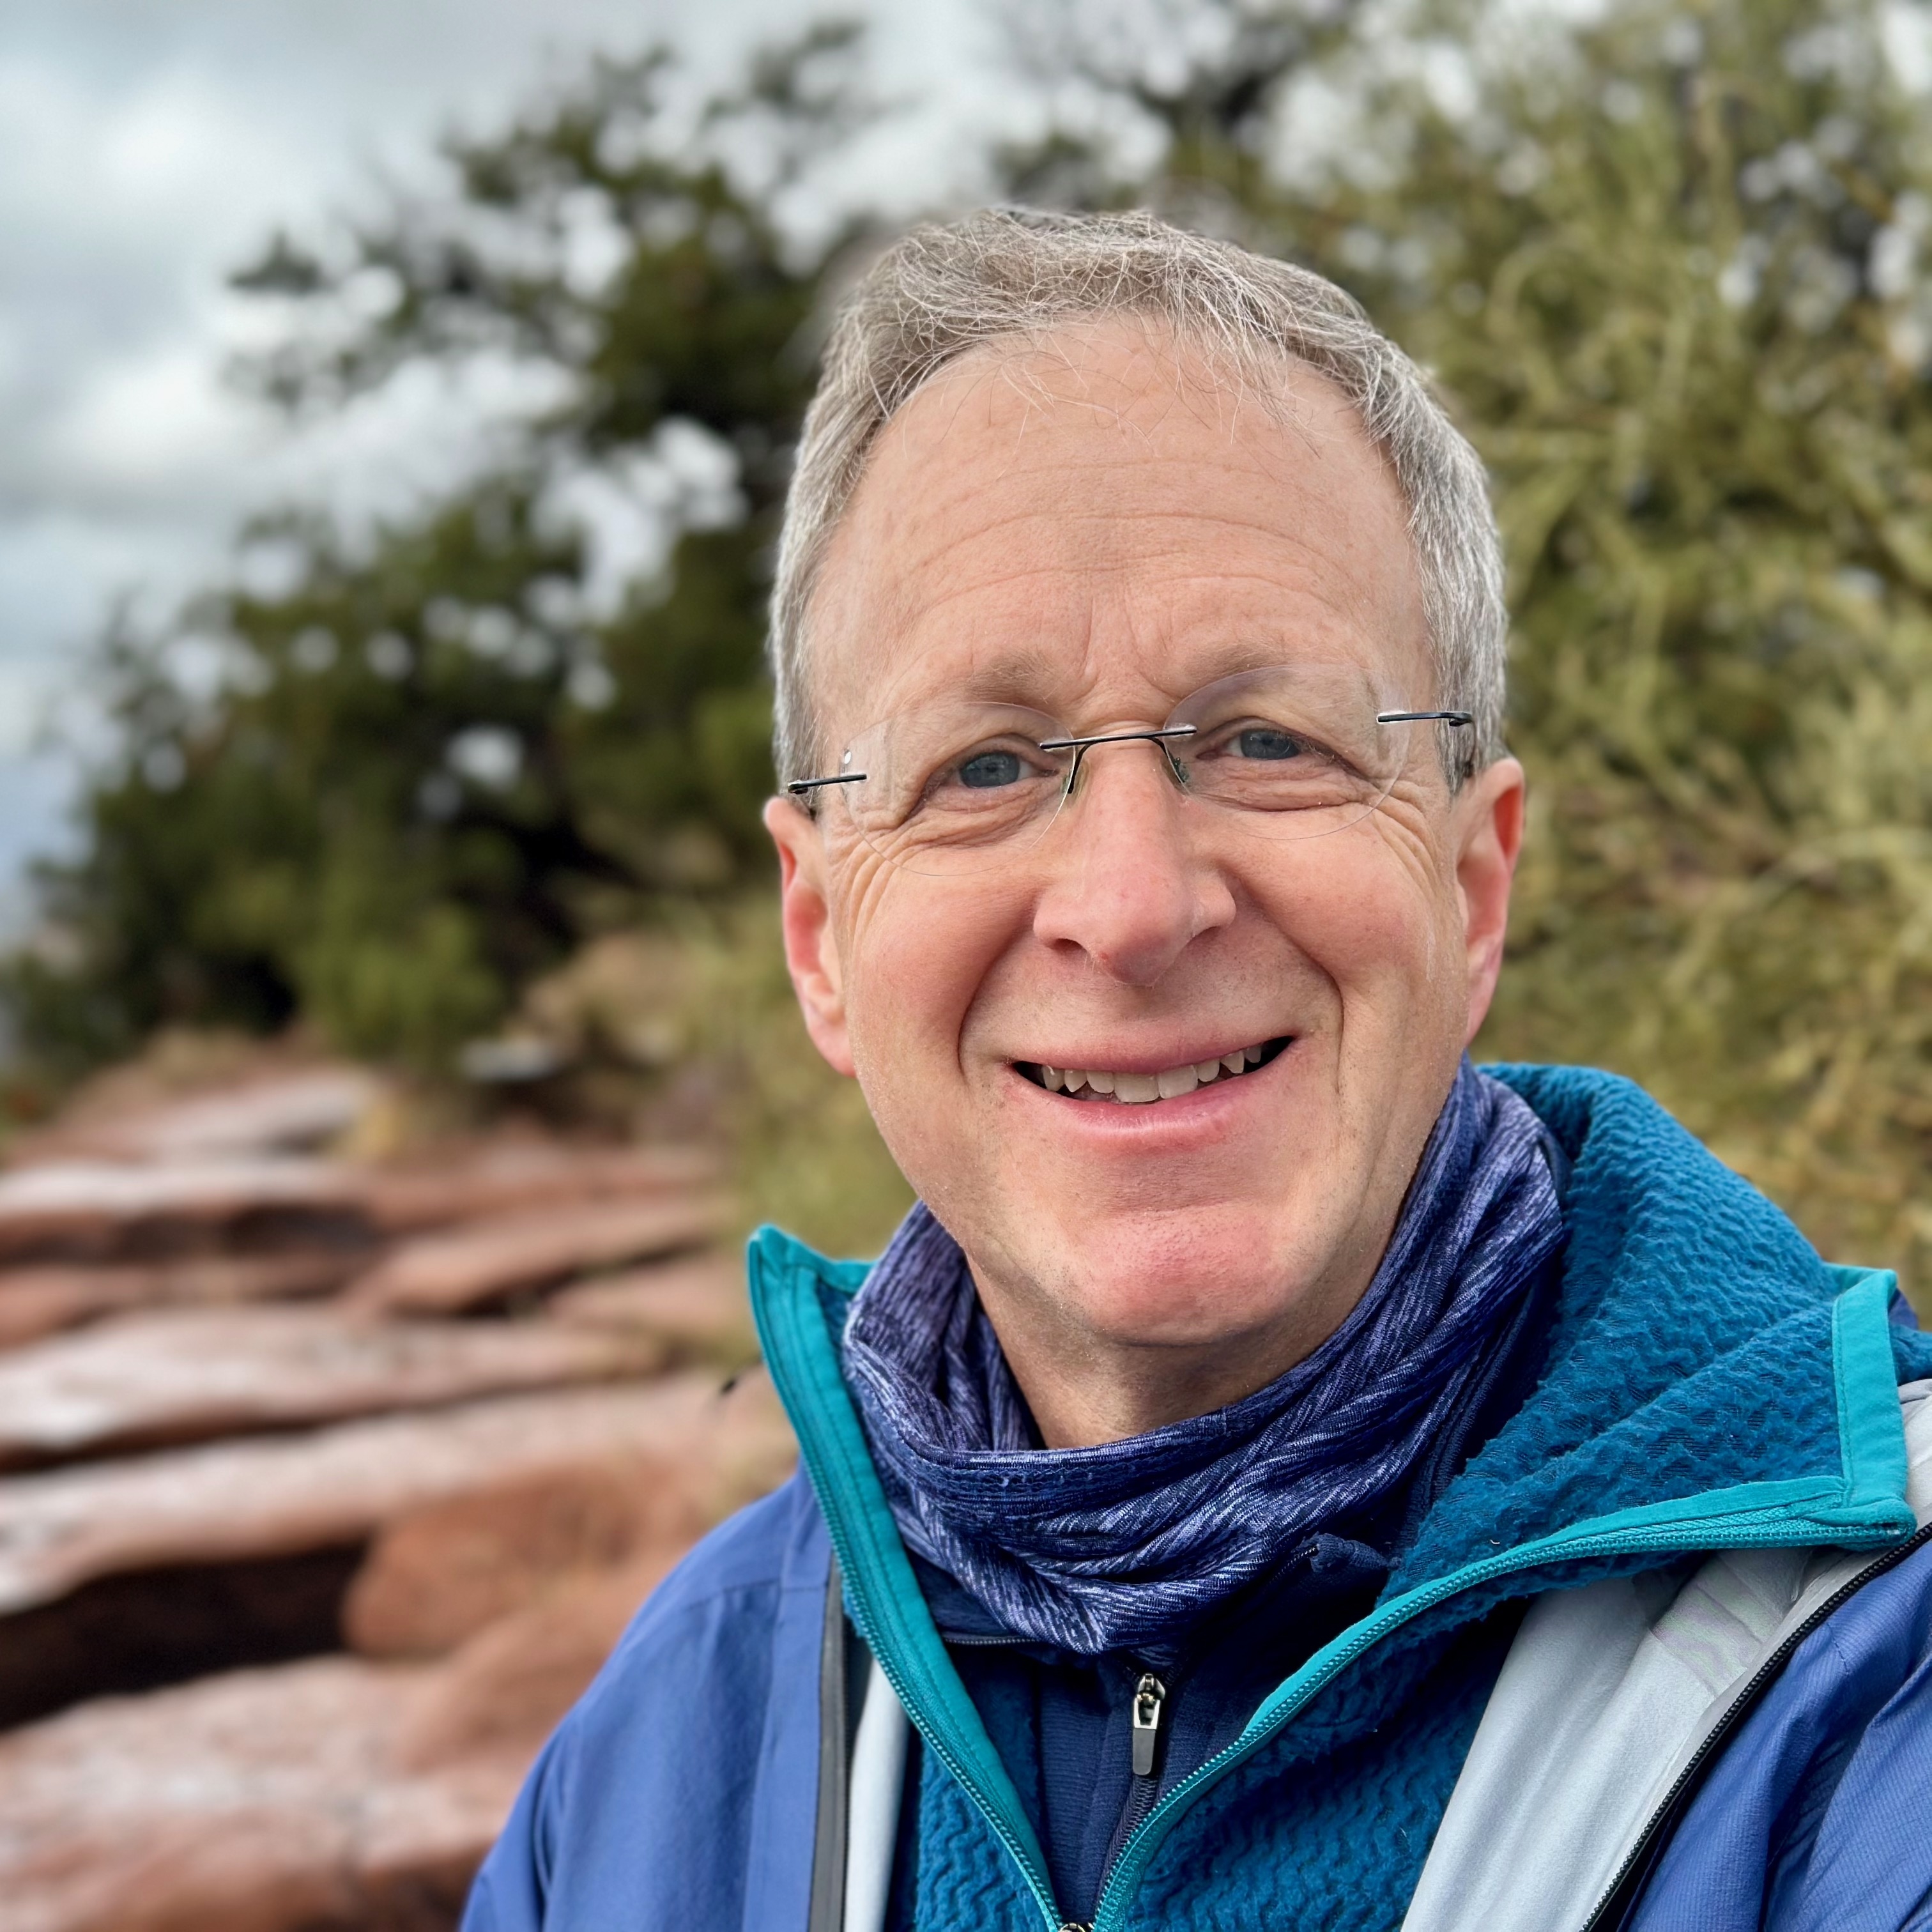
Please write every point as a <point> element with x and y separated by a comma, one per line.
<point>515,1176</point>
<point>269,1112</point>
<point>697,1306</point>
<point>42,1301</point>
<point>434,1577</point>
<point>190,1374</point>
<point>503,1692</point>
<point>228,1500</point>
<point>342,1795</point>
<point>333,1795</point>
<point>97,1210</point>
<point>489,1261</point>
<point>439,1576</point>
<point>512,1536</point>
<point>264,1800</point>
<point>101,1210</point>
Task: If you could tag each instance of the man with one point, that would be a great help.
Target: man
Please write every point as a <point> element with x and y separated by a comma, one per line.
<point>1279,1475</point>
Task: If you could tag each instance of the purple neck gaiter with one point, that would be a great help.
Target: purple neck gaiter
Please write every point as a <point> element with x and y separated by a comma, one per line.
<point>1129,1544</point>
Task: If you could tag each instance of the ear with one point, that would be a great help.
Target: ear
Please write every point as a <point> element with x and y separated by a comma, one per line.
<point>1488,817</point>
<point>810,945</point>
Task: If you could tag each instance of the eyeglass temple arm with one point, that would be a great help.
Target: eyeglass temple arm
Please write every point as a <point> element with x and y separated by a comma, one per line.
<point>799,788</point>
<point>1425,717</point>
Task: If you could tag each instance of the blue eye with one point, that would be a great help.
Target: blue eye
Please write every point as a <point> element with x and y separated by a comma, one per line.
<point>986,770</point>
<point>1264,742</point>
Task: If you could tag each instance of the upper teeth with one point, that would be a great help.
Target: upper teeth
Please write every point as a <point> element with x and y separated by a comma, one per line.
<point>1135,1088</point>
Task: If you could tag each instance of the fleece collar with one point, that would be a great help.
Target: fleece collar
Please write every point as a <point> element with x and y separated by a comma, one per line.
<point>1700,1345</point>
<point>1711,1384</point>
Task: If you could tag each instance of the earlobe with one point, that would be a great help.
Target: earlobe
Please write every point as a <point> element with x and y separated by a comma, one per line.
<point>1491,812</point>
<point>810,943</point>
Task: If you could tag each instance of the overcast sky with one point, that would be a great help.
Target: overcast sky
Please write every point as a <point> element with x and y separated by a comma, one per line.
<point>146,148</point>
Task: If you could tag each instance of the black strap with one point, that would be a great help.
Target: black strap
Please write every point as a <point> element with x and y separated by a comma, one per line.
<point>828,1849</point>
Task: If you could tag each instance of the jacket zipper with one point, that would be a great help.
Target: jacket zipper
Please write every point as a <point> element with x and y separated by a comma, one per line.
<point>1150,1706</point>
<point>1150,1694</point>
<point>1620,1900</point>
<point>1150,1701</point>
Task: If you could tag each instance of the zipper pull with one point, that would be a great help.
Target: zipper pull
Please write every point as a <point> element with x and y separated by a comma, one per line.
<point>1150,1693</point>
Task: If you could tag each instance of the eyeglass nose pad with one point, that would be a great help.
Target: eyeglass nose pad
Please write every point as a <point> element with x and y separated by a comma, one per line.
<point>1175,770</point>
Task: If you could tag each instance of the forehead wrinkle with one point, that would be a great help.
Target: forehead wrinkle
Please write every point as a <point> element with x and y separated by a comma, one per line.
<point>1331,594</point>
<point>1067,461</point>
<point>1298,560</point>
<point>997,516</point>
<point>1307,585</point>
<point>1168,367</point>
<point>1005,362</point>
<point>933,517</point>
<point>1172,364</point>
<point>1207,647</point>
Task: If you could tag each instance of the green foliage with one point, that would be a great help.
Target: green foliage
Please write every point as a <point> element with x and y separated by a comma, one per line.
<point>807,1154</point>
<point>1703,397</point>
<point>388,793</point>
<point>1666,271</point>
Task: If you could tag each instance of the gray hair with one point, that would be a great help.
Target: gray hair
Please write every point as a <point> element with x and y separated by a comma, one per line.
<point>1009,273</point>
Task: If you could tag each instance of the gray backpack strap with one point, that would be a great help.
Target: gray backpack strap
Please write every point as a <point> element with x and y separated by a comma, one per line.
<point>834,1743</point>
<point>1611,1702</point>
<point>862,1735</point>
<point>878,1784</point>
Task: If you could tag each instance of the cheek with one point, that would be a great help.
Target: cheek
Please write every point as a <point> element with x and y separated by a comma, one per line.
<point>1375,919</point>
<point>919,950</point>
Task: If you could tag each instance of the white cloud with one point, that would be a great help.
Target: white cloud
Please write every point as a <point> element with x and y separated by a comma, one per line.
<point>157,171</point>
<point>141,425</point>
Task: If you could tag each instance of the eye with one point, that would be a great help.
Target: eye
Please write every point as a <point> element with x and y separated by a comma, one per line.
<point>985,771</point>
<point>1268,741</point>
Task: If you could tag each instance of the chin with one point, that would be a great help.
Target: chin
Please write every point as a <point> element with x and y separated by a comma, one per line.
<point>1182,1280</point>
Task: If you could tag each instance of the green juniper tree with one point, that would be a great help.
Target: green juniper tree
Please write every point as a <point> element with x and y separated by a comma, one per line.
<point>436,759</point>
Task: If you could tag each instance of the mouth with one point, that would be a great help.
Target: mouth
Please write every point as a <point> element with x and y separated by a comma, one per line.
<point>1140,1090</point>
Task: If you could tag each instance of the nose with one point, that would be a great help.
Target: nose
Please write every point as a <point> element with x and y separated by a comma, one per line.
<point>1127,884</point>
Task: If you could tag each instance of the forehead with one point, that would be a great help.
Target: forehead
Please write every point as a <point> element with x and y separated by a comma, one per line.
<point>1103,518</point>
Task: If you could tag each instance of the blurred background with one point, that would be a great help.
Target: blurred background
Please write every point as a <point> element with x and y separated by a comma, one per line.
<point>395,407</point>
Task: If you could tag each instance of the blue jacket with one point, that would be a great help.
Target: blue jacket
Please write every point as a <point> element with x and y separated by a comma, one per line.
<point>1715,1398</point>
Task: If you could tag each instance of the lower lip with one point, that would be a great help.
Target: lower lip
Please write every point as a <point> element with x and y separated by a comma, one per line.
<point>1203,1111</point>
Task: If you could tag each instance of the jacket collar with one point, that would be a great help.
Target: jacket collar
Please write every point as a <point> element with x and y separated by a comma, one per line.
<point>1700,1345</point>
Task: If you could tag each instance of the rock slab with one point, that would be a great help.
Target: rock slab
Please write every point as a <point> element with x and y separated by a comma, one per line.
<point>274,1495</point>
<point>190,1375</point>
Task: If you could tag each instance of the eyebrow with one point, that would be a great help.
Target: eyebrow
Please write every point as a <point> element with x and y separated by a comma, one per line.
<point>1019,670</point>
<point>1022,673</point>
